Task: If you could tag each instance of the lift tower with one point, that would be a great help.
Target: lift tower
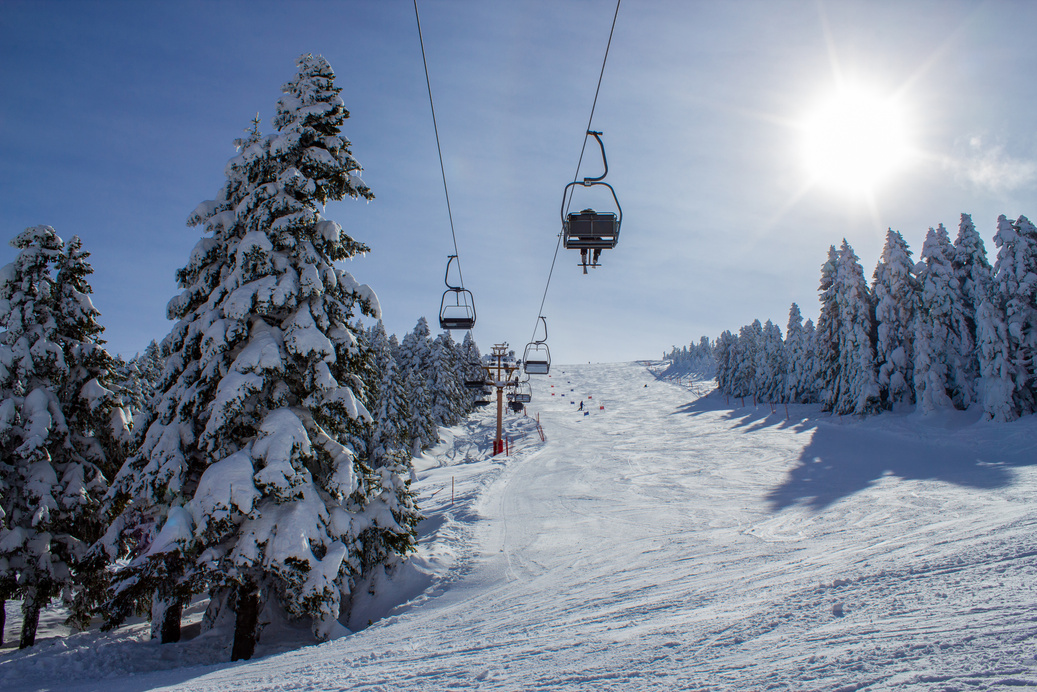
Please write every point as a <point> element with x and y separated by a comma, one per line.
<point>500,373</point>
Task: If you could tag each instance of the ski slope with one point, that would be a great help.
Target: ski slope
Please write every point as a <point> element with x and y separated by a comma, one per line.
<point>671,540</point>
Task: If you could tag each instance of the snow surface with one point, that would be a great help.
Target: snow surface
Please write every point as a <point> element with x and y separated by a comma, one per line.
<point>670,540</point>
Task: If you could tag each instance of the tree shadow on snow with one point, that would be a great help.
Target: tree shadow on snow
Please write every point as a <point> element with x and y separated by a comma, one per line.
<point>846,456</point>
<point>749,416</point>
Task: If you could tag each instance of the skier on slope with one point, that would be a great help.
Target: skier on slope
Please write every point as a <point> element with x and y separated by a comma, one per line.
<point>581,407</point>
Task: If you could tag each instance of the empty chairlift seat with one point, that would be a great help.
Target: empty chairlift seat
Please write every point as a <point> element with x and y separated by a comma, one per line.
<point>536,360</point>
<point>457,307</point>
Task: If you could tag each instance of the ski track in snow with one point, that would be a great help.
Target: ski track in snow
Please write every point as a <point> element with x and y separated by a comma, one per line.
<point>671,541</point>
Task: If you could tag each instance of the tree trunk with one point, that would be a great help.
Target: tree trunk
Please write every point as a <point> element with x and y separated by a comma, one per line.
<point>245,623</point>
<point>171,622</point>
<point>165,619</point>
<point>3,618</point>
<point>30,621</point>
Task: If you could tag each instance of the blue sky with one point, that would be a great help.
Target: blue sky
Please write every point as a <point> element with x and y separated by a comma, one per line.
<point>117,119</point>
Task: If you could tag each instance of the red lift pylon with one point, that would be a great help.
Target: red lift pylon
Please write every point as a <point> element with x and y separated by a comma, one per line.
<point>500,374</point>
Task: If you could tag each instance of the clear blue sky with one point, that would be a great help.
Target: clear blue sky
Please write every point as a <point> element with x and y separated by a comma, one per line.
<point>116,120</point>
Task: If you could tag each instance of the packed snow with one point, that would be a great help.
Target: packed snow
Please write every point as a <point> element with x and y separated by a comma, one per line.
<point>664,537</point>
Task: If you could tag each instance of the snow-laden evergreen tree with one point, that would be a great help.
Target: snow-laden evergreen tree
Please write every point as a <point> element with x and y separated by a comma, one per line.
<point>896,293</point>
<point>472,371</point>
<point>61,428</point>
<point>975,276</point>
<point>744,381</point>
<point>698,358</point>
<point>809,338</point>
<point>770,365</point>
<point>415,363</point>
<point>725,353</point>
<point>136,382</point>
<point>449,403</point>
<point>855,387</point>
<point>245,473</point>
<point>1014,308</point>
<point>394,514</point>
<point>797,356</point>
<point>996,384</point>
<point>941,378</point>
<point>826,337</point>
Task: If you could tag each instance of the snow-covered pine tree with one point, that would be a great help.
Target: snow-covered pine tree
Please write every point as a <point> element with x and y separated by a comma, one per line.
<point>895,291</point>
<point>796,354</point>
<point>1013,305</point>
<point>448,393</point>
<point>244,468</point>
<point>472,371</point>
<point>826,337</point>
<point>392,507</point>
<point>856,384</point>
<point>770,365</point>
<point>62,429</point>
<point>725,354</point>
<point>744,381</point>
<point>940,378</point>
<point>996,384</point>
<point>415,363</point>
<point>809,395</point>
<point>136,382</point>
<point>975,277</point>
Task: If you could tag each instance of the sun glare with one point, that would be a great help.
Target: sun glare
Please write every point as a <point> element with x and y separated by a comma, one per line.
<point>855,140</point>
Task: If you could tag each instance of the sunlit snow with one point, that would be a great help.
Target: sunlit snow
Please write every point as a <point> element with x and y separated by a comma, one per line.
<point>661,538</point>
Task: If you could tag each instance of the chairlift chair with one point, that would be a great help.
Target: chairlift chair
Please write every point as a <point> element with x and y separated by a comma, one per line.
<point>457,307</point>
<point>523,393</point>
<point>537,357</point>
<point>591,231</point>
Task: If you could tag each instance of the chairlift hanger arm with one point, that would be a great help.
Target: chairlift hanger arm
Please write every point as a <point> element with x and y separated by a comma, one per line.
<point>446,274</point>
<point>590,181</point>
<point>544,320</point>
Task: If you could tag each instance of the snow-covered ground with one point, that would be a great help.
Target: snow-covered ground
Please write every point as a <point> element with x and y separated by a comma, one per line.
<point>669,540</point>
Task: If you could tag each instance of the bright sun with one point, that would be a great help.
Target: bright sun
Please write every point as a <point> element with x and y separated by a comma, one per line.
<point>855,140</point>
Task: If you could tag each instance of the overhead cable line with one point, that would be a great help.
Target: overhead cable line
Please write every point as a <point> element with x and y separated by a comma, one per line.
<point>435,128</point>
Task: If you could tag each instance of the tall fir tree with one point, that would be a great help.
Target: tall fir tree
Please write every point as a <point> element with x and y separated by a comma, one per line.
<point>996,384</point>
<point>62,429</point>
<point>471,363</point>
<point>1014,305</point>
<point>810,388</point>
<point>393,510</point>
<point>975,278</point>
<point>725,354</point>
<point>855,387</point>
<point>247,474</point>
<point>770,365</point>
<point>941,343</point>
<point>826,336</point>
<point>448,393</point>
<point>415,362</point>
<point>895,292</point>
<point>798,366</point>
<point>744,381</point>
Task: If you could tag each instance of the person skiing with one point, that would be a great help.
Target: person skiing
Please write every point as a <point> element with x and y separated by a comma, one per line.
<point>581,407</point>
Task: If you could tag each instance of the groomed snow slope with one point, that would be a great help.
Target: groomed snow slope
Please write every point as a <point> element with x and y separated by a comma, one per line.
<point>676,541</point>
